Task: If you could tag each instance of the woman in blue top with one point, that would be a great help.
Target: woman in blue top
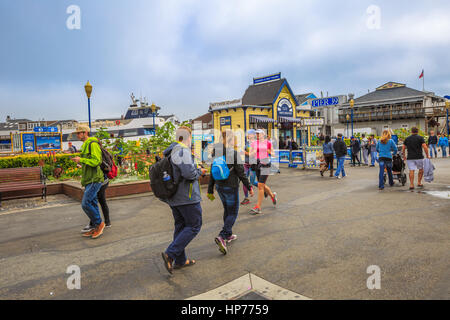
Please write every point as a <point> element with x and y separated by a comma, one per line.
<point>385,148</point>
<point>328,154</point>
<point>443,144</point>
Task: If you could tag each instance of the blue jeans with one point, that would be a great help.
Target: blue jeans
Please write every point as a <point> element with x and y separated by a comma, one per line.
<point>188,222</point>
<point>230,201</point>
<point>444,151</point>
<point>373,157</point>
<point>431,147</point>
<point>90,203</point>
<point>340,166</point>
<point>252,177</point>
<point>388,166</point>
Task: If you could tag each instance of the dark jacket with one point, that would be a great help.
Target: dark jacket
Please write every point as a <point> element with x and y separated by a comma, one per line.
<point>186,173</point>
<point>340,148</point>
<point>236,170</point>
<point>355,146</point>
<point>432,140</point>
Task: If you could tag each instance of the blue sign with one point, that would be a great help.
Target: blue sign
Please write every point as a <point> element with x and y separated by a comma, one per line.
<point>48,143</point>
<point>45,129</point>
<point>267,78</point>
<point>325,102</point>
<point>225,121</point>
<point>284,108</point>
<point>28,144</point>
<point>149,131</point>
<point>447,97</point>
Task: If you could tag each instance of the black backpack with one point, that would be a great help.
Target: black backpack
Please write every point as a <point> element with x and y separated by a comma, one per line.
<point>107,159</point>
<point>161,179</point>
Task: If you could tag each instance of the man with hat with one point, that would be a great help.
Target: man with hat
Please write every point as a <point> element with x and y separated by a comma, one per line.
<point>91,179</point>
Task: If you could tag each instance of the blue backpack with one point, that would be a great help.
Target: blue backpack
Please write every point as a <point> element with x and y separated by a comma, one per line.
<point>219,169</point>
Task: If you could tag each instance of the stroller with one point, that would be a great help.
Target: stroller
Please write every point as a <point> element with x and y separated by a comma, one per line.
<point>398,169</point>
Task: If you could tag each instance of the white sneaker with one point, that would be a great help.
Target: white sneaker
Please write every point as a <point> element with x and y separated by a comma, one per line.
<point>338,177</point>
<point>87,228</point>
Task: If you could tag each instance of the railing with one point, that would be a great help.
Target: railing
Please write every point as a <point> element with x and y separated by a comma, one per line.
<point>382,114</point>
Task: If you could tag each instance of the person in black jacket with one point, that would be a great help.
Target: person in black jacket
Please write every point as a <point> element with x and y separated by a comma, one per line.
<point>340,148</point>
<point>432,144</point>
<point>228,189</point>
<point>356,147</point>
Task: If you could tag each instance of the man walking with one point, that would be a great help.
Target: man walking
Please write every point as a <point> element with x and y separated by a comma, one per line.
<point>365,149</point>
<point>91,179</point>
<point>415,143</point>
<point>432,144</point>
<point>373,150</point>
<point>185,204</point>
<point>340,148</point>
<point>355,151</point>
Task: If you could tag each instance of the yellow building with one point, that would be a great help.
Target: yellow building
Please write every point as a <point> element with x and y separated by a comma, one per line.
<point>268,103</point>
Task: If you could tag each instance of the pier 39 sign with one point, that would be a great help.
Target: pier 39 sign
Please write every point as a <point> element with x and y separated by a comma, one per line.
<point>284,108</point>
<point>325,102</point>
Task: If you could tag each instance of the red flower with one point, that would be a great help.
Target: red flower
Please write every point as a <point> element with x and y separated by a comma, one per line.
<point>135,165</point>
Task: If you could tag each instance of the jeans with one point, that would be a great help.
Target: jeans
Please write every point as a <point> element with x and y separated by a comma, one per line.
<point>230,201</point>
<point>188,222</point>
<point>431,147</point>
<point>388,166</point>
<point>444,151</point>
<point>89,203</point>
<point>340,166</point>
<point>252,177</point>
<point>373,157</point>
<point>355,158</point>
<point>102,200</point>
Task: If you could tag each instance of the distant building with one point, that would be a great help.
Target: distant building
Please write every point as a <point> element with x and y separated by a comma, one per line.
<point>391,106</point>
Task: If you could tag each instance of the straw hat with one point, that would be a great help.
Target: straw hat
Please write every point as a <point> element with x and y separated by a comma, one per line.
<point>82,128</point>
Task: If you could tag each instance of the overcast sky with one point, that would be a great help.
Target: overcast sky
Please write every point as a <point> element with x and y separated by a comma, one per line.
<point>183,55</point>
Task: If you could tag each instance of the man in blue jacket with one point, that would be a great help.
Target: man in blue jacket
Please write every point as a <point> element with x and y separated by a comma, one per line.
<point>185,204</point>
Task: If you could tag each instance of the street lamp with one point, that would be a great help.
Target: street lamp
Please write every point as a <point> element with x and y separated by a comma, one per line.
<point>153,106</point>
<point>348,118</point>
<point>352,103</point>
<point>88,89</point>
<point>447,106</point>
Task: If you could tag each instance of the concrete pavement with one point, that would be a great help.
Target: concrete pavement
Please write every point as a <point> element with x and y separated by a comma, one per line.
<point>318,242</point>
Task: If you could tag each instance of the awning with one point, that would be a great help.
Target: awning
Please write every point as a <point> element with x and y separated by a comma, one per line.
<point>263,119</point>
<point>290,119</point>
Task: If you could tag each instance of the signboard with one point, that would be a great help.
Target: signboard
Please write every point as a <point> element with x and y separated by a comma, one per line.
<point>226,104</point>
<point>297,157</point>
<point>313,121</point>
<point>47,143</point>
<point>45,129</point>
<point>225,121</point>
<point>284,108</point>
<point>149,131</point>
<point>275,76</point>
<point>325,102</point>
<point>312,156</point>
<point>208,137</point>
<point>284,156</point>
<point>28,144</point>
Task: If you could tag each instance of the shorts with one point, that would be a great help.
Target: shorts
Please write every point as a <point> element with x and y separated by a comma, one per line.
<point>415,164</point>
<point>262,173</point>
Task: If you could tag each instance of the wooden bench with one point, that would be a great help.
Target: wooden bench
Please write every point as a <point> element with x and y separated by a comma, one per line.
<point>18,179</point>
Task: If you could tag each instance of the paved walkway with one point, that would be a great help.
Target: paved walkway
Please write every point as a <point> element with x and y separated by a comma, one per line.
<point>317,242</point>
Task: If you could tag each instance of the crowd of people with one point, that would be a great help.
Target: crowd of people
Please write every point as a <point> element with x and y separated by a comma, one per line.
<point>250,166</point>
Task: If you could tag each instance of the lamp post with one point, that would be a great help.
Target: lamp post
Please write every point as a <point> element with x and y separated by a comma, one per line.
<point>352,103</point>
<point>347,118</point>
<point>153,106</point>
<point>88,89</point>
<point>447,106</point>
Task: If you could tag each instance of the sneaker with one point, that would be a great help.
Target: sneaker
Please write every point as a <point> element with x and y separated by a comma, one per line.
<point>265,194</point>
<point>255,210</point>
<point>338,177</point>
<point>89,233</point>
<point>245,201</point>
<point>98,231</point>
<point>274,199</point>
<point>231,238</point>
<point>321,173</point>
<point>222,245</point>
<point>108,224</point>
<point>87,228</point>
